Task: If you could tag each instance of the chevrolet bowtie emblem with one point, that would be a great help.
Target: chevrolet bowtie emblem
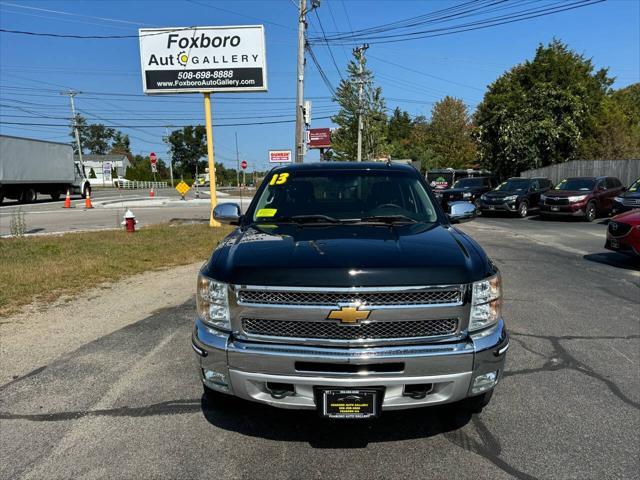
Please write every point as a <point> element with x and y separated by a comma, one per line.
<point>349,315</point>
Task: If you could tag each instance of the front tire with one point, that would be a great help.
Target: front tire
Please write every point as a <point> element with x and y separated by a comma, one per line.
<point>523,209</point>
<point>477,403</point>
<point>478,206</point>
<point>591,213</point>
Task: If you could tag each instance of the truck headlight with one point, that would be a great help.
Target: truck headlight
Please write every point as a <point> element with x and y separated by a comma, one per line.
<point>483,197</point>
<point>577,198</point>
<point>486,303</point>
<point>618,199</point>
<point>543,198</point>
<point>510,198</point>
<point>212,303</point>
<point>466,195</point>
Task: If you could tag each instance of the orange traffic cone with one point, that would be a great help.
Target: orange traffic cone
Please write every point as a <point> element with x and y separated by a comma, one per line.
<point>67,200</point>
<point>87,201</point>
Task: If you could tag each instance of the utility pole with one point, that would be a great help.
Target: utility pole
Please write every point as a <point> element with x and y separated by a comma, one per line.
<point>73,93</point>
<point>302,27</point>
<point>166,132</point>
<point>359,51</point>
<point>238,163</point>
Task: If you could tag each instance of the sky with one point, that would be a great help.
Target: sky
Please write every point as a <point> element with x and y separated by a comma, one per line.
<point>413,74</point>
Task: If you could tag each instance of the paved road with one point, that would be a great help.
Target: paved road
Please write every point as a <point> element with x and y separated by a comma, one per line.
<point>129,404</point>
<point>47,216</point>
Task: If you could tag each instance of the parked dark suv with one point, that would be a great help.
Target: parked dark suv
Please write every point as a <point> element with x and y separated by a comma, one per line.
<point>467,190</point>
<point>516,195</point>
<point>628,200</point>
<point>586,197</point>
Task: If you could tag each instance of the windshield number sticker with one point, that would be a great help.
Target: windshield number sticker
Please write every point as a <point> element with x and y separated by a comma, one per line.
<point>279,179</point>
<point>266,212</point>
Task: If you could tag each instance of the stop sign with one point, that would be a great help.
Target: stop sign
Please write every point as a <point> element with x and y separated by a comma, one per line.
<point>153,158</point>
<point>243,164</point>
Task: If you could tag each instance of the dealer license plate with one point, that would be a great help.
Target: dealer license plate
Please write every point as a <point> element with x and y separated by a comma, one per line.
<point>350,403</point>
<point>615,243</point>
<point>555,209</point>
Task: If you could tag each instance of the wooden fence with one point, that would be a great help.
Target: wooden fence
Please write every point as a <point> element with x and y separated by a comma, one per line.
<point>628,171</point>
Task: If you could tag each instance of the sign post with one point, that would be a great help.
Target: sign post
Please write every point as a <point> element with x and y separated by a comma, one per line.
<point>204,60</point>
<point>212,168</point>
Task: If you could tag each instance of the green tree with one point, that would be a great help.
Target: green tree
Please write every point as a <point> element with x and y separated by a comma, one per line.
<point>187,147</point>
<point>450,134</point>
<point>399,131</point>
<point>120,144</point>
<point>537,113</point>
<point>344,140</point>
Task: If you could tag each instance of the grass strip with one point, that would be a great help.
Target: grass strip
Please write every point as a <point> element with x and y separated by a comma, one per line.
<point>44,268</point>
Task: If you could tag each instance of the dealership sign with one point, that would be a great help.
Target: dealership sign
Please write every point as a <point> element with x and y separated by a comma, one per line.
<point>279,156</point>
<point>203,59</point>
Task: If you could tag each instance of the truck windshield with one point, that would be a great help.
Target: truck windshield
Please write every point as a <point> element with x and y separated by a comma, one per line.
<point>343,196</point>
<point>469,183</point>
<point>514,185</point>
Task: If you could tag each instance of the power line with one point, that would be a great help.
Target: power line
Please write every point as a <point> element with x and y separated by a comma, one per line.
<point>459,28</point>
<point>324,35</point>
<point>163,126</point>
<point>323,75</point>
<point>60,12</point>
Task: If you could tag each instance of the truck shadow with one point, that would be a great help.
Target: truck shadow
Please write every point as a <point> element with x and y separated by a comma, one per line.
<point>262,421</point>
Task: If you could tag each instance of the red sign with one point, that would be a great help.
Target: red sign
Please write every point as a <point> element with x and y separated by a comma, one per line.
<point>279,156</point>
<point>243,164</point>
<point>319,137</point>
<point>153,158</point>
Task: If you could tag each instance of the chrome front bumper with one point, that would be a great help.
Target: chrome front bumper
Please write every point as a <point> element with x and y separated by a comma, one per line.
<point>243,368</point>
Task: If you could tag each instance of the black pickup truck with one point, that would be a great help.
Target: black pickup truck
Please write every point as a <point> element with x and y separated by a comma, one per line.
<point>345,288</point>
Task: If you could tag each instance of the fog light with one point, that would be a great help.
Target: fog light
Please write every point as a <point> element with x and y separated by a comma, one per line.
<point>215,380</point>
<point>484,382</point>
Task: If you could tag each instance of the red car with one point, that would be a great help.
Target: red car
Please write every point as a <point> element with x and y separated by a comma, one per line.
<point>623,234</point>
<point>586,197</point>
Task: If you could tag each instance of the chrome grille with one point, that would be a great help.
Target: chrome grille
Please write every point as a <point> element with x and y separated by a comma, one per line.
<point>418,297</point>
<point>631,202</point>
<point>328,329</point>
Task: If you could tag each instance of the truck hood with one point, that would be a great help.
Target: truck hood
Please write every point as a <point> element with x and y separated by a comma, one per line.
<point>504,193</point>
<point>348,256</point>
<point>567,193</point>
<point>462,190</point>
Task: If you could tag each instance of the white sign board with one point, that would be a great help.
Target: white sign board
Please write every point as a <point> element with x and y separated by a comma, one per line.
<point>279,156</point>
<point>203,59</point>
<point>106,172</point>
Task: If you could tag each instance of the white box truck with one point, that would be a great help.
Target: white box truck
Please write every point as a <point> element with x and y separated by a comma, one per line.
<point>29,167</point>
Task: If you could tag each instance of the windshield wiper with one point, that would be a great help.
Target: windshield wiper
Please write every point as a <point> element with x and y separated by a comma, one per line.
<point>300,219</point>
<point>389,219</point>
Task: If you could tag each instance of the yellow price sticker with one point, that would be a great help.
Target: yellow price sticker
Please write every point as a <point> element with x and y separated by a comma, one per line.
<point>279,179</point>
<point>266,212</point>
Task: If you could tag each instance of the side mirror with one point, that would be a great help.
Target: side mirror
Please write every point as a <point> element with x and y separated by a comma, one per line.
<point>462,212</point>
<point>227,213</point>
<point>600,188</point>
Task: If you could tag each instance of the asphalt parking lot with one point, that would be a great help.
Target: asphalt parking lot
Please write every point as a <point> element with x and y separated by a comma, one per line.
<point>129,404</point>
